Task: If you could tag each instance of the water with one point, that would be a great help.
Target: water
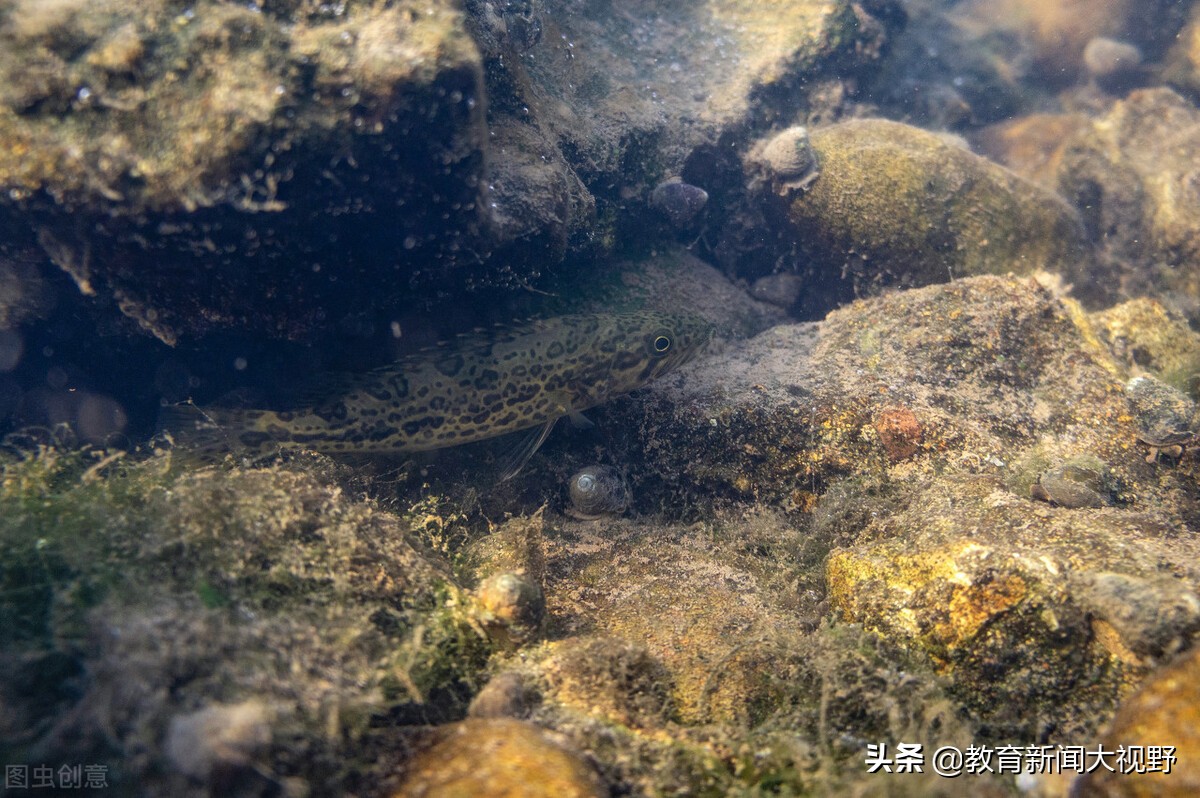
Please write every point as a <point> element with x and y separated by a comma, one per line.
<point>930,487</point>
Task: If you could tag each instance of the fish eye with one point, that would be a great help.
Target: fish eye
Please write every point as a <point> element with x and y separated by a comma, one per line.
<point>662,343</point>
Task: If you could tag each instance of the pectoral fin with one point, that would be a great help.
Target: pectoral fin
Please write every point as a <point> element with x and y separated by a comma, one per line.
<point>520,454</point>
<point>580,421</point>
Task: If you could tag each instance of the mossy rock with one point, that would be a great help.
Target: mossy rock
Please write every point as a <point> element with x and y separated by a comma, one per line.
<point>174,591</point>
<point>897,204</point>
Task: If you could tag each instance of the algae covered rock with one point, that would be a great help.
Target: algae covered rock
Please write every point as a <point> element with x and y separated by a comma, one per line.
<point>896,204</point>
<point>1144,334</point>
<point>235,627</point>
<point>974,370</point>
<point>911,433</point>
<point>1021,605</point>
<point>1031,145</point>
<point>1132,175</point>
<point>499,757</point>
<point>1183,61</point>
<point>691,659</point>
<point>202,148</point>
<point>280,168</point>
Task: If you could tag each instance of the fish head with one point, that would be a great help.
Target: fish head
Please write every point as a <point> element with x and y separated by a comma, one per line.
<point>653,344</point>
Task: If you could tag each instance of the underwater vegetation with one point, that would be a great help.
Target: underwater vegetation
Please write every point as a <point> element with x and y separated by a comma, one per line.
<point>884,315</point>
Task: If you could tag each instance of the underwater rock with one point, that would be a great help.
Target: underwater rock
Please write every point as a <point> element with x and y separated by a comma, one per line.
<point>978,577</point>
<point>674,622</point>
<point>623,118</point>
<point>899,431</point>
<point>517,546</point>
<point>1182,69</point>
<point>717,623</point>
<point>1165,711</point>
<point>1151,616</point>
<point>219,737</point>
<point>680,202</point>
<point>1030,145</point>
<point>171,161</point>
<point>984,364</point>
<point>1108,59</point>
<point>186,589</point>
<point>945,552</point>
<point>613,679</point>
<point>499,756</point>
<point>1144,335</point>
<point>536,201</point>
<point>781,290</point>
<point>504,696</point>
<point>596,491</point>
<point>898,205</point>
<point>1132,174</point>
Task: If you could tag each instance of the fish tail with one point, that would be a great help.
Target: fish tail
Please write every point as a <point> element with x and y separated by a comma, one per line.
<point>209,433</point>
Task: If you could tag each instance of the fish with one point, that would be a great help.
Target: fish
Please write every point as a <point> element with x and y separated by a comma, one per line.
<point>481,386</point>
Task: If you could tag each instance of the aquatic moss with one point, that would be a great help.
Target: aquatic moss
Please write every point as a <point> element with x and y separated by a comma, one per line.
<point>174,589</point>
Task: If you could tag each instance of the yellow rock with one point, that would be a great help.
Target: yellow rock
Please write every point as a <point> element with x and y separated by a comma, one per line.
<point>497,758</point>
<point>1165,712</point>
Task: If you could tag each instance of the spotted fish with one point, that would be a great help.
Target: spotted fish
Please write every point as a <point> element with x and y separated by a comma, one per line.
<point>476,388</point>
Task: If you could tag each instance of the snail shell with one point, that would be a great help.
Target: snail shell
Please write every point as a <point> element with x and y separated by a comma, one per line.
<point>786,160</point>
<point>513,605</point>
<point>1082,481</point>
<point>598,490</point>
<point>680,202</point>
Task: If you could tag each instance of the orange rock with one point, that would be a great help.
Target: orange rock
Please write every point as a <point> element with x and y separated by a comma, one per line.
<point>1165,712</point>
<point>899,431</point>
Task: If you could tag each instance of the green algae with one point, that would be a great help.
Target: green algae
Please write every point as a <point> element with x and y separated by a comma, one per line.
<point>225,584</point>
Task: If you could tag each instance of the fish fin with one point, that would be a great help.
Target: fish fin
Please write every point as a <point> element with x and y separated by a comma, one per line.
<point>206,433</point>
<point>580,421</point>
<point>520,454</point>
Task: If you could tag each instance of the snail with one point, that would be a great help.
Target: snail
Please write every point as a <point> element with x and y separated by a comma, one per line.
<point>596,491</point>
<point>680,202</point>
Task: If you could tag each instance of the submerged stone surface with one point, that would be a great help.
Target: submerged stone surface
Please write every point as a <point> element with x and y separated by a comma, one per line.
<point>831,541</point>
<point>1166,707</point>
<point>946,549</point>
<point>896,204</point>
<point>280,169</point>
<point>961,514</point>
<point>499,756</point>
<point>1132,174</point>
<point>222,165</point>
